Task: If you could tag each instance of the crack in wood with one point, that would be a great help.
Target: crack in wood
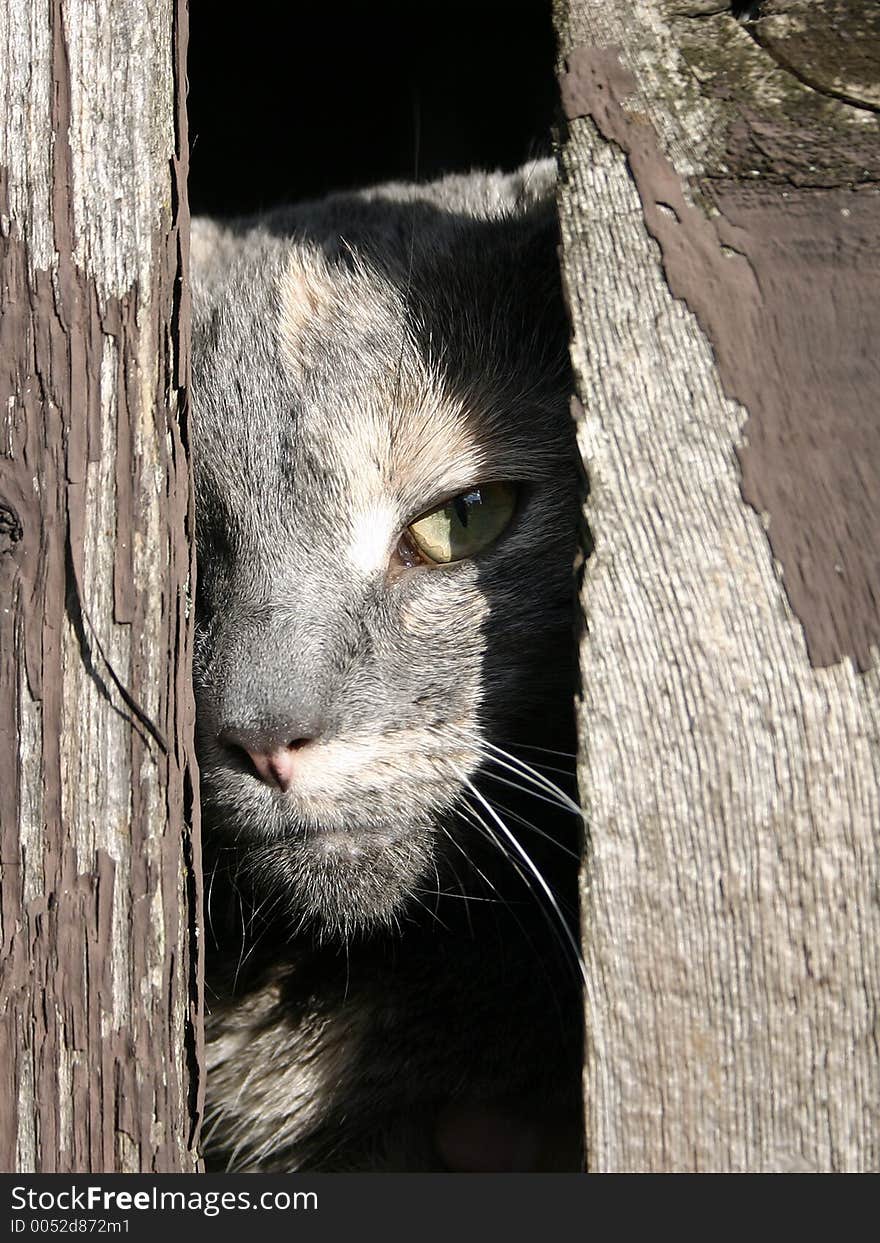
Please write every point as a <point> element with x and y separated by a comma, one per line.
<point>782,62</point>
<point>11,530</point>
<point>82,628</point>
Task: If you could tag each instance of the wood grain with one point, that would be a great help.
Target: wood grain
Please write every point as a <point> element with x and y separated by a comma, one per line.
<point>99,1000</point>
<point>732,786</point>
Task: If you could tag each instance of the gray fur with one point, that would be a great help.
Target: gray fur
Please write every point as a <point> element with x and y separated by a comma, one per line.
<point>355,362</point>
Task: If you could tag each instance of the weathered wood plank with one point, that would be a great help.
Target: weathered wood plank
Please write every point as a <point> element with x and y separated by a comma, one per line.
<point>99,1005</point>
<point>720,283</point>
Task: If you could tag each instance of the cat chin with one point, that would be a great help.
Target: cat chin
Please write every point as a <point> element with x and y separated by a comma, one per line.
<point>332,882</point>
<point>343,884</point>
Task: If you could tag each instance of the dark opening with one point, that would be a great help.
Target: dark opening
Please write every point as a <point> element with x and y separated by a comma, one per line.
<point>289,101</point>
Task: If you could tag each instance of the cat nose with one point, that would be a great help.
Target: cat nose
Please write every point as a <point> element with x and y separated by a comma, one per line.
<point>278,766</point>
<point>274,763</point>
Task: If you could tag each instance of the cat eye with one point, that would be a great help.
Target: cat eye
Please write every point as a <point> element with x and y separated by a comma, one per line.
<point>464,525</point>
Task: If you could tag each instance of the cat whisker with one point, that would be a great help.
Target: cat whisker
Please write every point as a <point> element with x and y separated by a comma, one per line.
<point>480,824</point>
<point>244,955</point>
<point>467,897</point>
<point>436,882</point>
<point>552,768</point>
<point>572,854</point>
<point>475,820</point>
<point>208,898</point>
<point>523,789</point>
<point>528,746</point>
<point>529,863</point>
<point>414,898</point>
<point>471,863</point>
<point>505,759</point>
<point>243,939</point>
<point>439,893</point>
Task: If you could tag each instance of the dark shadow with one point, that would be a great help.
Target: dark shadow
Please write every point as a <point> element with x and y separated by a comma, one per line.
<point>290,101</point>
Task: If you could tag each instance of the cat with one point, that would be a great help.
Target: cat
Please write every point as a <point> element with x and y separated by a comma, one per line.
<point>387,512</point>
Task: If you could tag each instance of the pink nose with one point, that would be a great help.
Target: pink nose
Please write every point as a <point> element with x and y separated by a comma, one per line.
<point>278,767</point>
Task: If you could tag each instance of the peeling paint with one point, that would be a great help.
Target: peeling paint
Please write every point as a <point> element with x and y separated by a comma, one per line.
<point>811,457</point>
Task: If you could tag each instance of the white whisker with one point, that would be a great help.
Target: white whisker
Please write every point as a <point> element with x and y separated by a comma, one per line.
<point>525,770</point>
<point>526,877</point>
<point>552,768</point>
<point>523,789</point>
<point>527,859</point>
<point>425,907</point>
<point>470,861</point>
<point>528,746</point>
<point>475,820</point>
<point>508,811</point>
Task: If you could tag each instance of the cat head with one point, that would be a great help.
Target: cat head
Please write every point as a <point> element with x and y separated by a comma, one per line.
<point>386,518</point>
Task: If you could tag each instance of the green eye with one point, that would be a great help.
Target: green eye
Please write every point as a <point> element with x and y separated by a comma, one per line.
<point>466,524</point>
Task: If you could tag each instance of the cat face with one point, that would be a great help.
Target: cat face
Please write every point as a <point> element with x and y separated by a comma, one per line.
<point>386,526</point>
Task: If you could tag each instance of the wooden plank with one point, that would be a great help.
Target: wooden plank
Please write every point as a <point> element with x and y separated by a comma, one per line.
<point>720,223</point>
<point>99,1002</point>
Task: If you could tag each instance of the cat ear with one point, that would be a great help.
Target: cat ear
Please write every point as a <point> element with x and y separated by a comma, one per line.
<point>307,302</point>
